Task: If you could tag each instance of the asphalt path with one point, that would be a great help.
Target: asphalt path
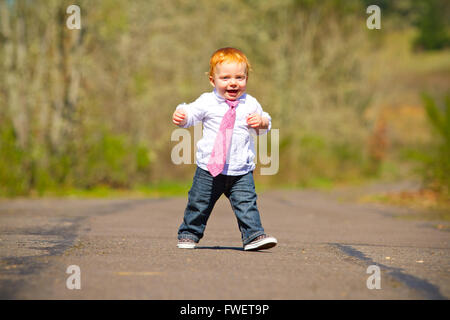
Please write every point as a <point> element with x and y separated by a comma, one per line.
<point>126,249</point>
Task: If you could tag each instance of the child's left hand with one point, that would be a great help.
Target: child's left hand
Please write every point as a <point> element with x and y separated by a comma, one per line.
<point>254,120</point>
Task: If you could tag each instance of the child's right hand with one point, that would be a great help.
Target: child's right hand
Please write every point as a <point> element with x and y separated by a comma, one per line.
<point>179,117</point>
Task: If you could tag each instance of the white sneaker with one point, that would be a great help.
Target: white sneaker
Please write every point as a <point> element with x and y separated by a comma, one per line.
<point>260,243</point>
<point>186,243</point>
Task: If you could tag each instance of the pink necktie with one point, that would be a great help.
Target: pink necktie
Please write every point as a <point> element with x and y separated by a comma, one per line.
<point>223,139</point>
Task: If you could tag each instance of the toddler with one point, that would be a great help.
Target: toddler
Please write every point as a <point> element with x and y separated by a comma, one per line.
<point>226,151</point>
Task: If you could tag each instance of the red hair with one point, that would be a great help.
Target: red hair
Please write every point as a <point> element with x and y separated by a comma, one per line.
<point>227,55</point>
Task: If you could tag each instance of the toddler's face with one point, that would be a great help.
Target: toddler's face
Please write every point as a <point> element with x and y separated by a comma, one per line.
<point>230,80</point>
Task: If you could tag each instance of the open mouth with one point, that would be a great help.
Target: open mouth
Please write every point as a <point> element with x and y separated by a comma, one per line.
<point>232,92</point>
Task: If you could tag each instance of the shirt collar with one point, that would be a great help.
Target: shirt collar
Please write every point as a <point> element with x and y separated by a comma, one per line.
<point>221,99</point>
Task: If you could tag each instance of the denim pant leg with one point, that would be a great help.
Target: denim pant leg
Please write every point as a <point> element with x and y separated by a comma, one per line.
<point>243,197</point>
<point>202,196</point>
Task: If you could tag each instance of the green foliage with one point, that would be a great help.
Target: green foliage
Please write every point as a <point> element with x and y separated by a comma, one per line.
<point>429,17</point>
<point>112,160</point>
<point>12,178</point>
<point>432,25</point>
<point>109,160</point>
<point>436,160</point>
<point>439,119</point>
<point>91,109</point>
<point>321,160</point>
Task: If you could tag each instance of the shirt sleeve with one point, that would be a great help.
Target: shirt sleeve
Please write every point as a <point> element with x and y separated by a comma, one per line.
<point>195,111</point>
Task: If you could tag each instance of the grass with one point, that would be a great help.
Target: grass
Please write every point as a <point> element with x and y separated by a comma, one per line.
<point>427,204</point>
<point>161,189</point>
<point>407,60</point>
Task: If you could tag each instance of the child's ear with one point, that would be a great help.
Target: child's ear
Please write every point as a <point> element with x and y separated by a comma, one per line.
<point>211,80</point>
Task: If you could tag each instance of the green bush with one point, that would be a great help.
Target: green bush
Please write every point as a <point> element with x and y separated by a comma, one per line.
<point>112,160</point>
<point>103,159</point>
<point>320,158</point>
<point>13,180</point>
<point>431,24</point>
<point>436,160</point>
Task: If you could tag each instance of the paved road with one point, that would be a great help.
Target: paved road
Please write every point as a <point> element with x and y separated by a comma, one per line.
<point>126,249</point>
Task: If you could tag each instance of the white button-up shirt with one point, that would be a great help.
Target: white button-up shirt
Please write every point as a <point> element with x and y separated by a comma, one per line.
<point>209,109</point>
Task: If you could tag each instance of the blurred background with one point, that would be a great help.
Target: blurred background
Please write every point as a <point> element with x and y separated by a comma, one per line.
<point>88,112</point>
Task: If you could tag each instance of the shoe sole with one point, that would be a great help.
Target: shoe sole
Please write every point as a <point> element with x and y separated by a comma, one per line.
<point>263,244</point>
<point>186,245</point>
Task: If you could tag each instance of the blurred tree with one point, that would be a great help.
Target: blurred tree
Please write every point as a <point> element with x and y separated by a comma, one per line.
<point>79,108</point>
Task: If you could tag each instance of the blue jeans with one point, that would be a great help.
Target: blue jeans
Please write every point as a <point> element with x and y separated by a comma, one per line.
<point>204,193</point>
